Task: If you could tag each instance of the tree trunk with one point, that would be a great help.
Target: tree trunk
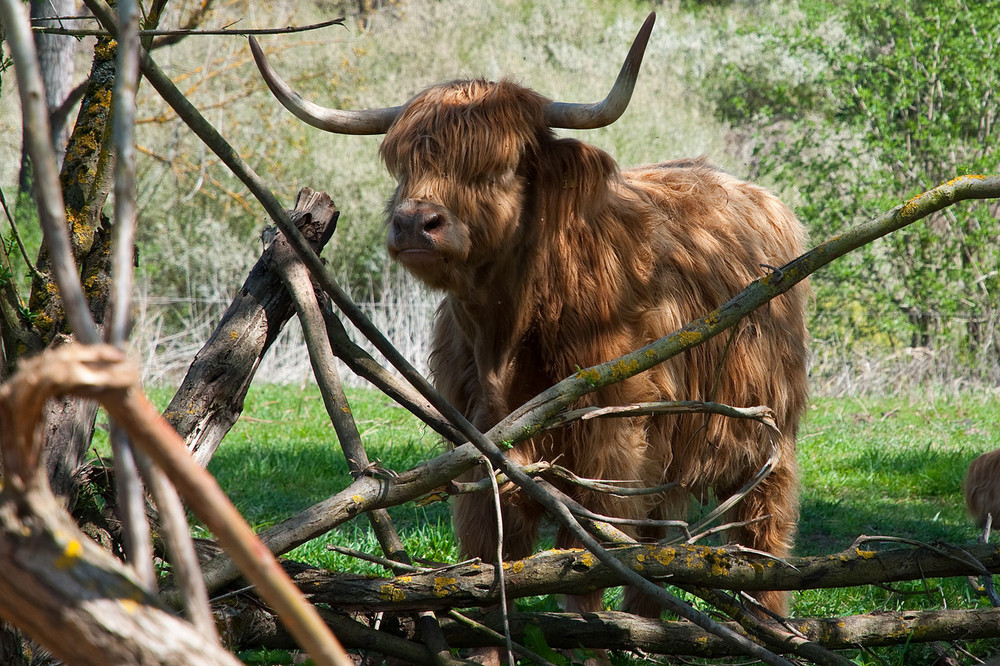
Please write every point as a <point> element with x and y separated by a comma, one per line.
<point>55,56</point>
<point>210,399</point>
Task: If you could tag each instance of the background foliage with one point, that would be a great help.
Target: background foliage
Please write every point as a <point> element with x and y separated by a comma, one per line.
<point>877,101</point>
<point>845,108</point>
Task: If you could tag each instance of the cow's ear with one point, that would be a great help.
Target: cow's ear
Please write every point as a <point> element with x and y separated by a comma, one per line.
<point>575,176</point>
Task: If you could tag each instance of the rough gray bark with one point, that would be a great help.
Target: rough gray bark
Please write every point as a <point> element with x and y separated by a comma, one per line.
<point>55,57</point>
<point>578,571</point>
<point>210,399</point>
<point>85,607</point>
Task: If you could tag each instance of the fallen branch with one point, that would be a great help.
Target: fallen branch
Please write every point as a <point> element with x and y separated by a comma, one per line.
<point>615,630</point>
<point>623,631</point>
<point>578,571</point>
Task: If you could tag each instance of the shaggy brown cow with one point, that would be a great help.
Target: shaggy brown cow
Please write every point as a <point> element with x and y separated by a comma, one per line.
<point>552,259</point>
<point>982,487</point>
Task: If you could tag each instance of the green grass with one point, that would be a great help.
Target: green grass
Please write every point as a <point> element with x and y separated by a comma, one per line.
<point>283,456</point>
<point>880,467</point>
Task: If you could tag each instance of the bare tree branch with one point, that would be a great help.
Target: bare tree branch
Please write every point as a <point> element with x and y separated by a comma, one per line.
<point>296,278</point>
<point>188,32</point>
<point>101,372</point>
<point>530,417</point>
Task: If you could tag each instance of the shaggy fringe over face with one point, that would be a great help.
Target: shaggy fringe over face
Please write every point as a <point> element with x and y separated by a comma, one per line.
<point>573,262</point>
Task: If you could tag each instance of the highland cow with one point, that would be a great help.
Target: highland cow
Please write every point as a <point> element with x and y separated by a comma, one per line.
<point>982,487</point>
<point>552,259</point>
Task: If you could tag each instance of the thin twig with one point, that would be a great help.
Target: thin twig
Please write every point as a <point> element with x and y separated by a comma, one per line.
<point>296,279</point>
<point>17,238</point>
<point>362,364</point>
<point>499,568</point>
<point>395,566</point>
<point>52,30</point>
<point>732,500</point>
<point>761,414</point>
<point>131,497</point>
<point>987,580</point>
<point>181,548</point>
<point>608,486</point>
<point>483,629</point>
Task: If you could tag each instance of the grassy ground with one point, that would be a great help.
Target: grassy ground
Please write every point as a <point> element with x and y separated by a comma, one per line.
<point>887,467</point>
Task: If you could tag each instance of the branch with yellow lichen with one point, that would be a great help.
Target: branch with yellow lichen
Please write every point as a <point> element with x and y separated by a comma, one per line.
<point>538,412</point>
<point>577,571</point>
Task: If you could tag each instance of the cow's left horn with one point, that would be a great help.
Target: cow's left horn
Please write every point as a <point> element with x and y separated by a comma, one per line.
<point>608,110</point>
<point>369,121</point>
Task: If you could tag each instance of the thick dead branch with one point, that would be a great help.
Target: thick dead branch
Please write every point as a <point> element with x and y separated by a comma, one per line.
<point>84,605</point>
<point>623,631</point>
<point>531,417</point>
<point>210,399</point>
<point>296,278</point>
<point>102,373</point>
<point>577,571</point>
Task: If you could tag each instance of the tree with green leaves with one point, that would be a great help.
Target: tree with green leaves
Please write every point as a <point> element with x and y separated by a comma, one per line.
<point>856,104</point>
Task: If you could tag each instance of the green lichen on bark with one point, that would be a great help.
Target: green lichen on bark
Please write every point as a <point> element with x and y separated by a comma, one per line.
<point>86,180</point>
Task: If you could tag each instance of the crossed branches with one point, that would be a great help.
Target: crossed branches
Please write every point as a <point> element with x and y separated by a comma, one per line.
<point>101,372</point>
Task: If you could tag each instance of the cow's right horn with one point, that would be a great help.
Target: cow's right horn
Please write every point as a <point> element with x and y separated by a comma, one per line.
<point>600,114</point>
<point>369,121</point>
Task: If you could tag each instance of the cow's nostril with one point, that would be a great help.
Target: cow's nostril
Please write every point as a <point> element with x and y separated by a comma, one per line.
<point>432,222</point>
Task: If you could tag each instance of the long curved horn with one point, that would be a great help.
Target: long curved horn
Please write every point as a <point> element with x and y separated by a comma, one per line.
<point>369,121</point>
<point>608,110</point>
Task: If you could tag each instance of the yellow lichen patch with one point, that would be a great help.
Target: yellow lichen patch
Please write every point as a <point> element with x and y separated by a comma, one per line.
<point>690,337</point>
<point>358,499</point>
<point>391,593</point>
<point>865,554</point>
<point>975,176</point>
<point>663,555</point>
<point>405,579</point>
<point>514,567</point>
<point>587,559</point>
<point>443,585</point>
<point>233,335</point>
<point>346,410</point>
<point>624,367</point>
<point>589,376</point>
<point>103,98</point>
<point>105,48</point>
<point>71,553</point>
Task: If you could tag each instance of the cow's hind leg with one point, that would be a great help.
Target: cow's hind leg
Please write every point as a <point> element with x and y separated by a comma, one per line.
<point>771,511</point>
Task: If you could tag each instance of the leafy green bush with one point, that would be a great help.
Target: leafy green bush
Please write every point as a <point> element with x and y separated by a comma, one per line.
<point>854,107</point>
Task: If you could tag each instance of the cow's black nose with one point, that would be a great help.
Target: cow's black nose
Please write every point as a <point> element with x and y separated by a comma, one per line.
<point>415,223</point>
